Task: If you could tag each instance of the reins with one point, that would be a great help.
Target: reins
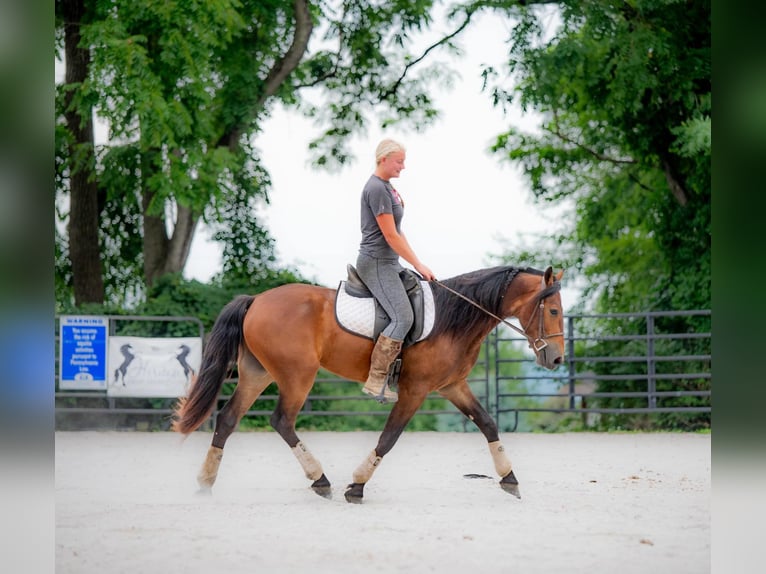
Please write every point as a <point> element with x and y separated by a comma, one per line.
<point>542,337</point>
<point>475,304</point>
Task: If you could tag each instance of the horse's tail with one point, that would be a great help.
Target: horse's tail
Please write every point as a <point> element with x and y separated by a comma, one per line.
<point>221,349</point>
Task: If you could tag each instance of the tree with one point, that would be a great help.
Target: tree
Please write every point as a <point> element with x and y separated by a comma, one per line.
<point>625,92</point>
<point>184,87</point>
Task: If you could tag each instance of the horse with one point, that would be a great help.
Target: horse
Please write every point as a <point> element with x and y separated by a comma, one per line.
<point>285,334</point>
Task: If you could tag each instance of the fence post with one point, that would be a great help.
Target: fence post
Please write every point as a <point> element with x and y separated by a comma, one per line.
<point>651,381</point>
<point>571,361</point>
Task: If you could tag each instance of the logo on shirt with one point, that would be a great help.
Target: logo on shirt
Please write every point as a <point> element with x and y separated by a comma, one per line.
<point>397,198</point>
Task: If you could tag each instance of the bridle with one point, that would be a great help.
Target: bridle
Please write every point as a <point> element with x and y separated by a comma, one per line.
<point>541,341</point>
<point>541,335</point>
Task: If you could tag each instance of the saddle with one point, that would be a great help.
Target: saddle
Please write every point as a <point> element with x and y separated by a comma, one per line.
<point>358,312</point>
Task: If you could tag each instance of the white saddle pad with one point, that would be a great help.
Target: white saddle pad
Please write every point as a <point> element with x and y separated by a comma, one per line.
<point>357,314</point>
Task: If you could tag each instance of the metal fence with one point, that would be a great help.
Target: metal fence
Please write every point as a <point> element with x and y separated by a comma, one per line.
<point>654,363</point>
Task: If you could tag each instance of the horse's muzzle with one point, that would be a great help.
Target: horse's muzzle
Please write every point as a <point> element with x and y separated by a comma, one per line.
<point>550,356</point>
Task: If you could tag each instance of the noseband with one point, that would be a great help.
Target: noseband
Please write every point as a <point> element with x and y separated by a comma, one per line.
<point>541,341</point>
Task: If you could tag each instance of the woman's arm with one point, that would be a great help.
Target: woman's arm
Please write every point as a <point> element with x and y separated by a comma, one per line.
<point>399,243</point>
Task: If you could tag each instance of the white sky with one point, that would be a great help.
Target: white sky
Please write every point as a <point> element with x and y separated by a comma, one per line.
<point>459,200</point>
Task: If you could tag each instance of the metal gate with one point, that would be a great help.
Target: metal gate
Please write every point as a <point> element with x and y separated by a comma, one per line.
<point>654,363</point>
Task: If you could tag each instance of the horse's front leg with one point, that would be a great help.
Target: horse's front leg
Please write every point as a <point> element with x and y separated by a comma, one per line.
<point>460,395</point>
<point>401,414</point>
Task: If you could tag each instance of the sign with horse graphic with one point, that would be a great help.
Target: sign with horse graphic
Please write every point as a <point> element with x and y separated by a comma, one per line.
<point>152,367</point>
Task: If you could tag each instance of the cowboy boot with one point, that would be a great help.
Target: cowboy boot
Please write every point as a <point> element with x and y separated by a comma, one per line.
<point>385,352</point>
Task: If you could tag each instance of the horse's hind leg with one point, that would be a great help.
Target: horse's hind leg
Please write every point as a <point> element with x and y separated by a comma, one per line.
<point>253,380</point>
<point>291,399</point>
<point>460,395</point>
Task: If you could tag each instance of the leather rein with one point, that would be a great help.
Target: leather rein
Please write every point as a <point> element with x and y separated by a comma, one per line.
<point>537,344</point>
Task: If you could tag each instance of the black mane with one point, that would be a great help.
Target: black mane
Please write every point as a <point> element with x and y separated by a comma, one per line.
<point>485,287</point>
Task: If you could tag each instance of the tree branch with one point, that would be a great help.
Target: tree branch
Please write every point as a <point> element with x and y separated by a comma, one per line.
<point>392,90</point>
<point>287,63</point>
<point>280,70</point>
<point>601,157</point>
<point>675,187</point>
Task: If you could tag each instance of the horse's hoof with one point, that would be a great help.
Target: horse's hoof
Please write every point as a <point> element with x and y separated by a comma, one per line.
<point>512,489</point>
<point>323,491</point>
<point>354,493</point>
<point>322,487</point>
<point>509,484</point>
<point>205,491</point>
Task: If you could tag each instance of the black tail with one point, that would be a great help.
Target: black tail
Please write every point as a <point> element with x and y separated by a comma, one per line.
<point>221,349</point>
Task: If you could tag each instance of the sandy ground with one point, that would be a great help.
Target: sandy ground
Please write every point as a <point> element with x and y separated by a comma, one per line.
<point>591,503</point>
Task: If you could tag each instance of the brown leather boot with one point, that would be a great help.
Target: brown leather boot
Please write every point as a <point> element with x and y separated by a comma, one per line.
<point>385,352</point>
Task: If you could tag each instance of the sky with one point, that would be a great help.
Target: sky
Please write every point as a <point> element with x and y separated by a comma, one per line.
<point>461,203</point>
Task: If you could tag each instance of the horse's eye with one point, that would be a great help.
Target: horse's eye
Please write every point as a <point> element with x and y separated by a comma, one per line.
<point>554,312</point>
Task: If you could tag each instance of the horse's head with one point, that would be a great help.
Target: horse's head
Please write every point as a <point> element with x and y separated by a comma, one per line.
<point>543,320</point>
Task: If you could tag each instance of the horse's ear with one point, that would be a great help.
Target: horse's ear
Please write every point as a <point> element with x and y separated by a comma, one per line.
<point>547,276</point>
<point>559,275</point>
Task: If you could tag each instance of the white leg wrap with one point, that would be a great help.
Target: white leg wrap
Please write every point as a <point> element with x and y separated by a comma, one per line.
<point>310,465</point>
<point>209,471</point>
<point>502,463</point>
<point>364,471</point>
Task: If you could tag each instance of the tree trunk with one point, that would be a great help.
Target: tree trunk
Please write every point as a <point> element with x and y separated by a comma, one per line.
<point>155,240</point>
<point>84,248</point>
<point>163,254</point>
<point>180,241</point>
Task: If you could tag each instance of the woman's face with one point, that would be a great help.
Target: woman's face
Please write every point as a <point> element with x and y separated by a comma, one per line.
<point>393,164</point>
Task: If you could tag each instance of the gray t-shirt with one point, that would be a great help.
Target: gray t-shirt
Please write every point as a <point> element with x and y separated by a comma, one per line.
<point>378,196</point>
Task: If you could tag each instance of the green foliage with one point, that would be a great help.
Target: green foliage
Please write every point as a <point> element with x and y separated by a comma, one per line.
<point>373,72</point>
<point>184,87</point>
<point>624,89</point>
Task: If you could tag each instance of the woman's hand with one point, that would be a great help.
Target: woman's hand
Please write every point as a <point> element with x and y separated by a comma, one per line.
<point>425,272</point>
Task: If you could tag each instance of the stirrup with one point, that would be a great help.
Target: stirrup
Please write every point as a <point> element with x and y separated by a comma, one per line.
<point>380,396</point>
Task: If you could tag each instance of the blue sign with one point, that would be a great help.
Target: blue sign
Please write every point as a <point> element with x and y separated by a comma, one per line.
<point>83,352</point>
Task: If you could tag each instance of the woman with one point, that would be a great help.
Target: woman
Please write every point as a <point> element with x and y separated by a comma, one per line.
<point>378,263</point>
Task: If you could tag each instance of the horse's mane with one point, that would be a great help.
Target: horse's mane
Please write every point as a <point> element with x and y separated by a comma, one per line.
<point>486,287</point>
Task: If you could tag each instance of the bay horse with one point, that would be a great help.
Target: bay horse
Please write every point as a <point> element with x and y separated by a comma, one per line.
<point>287,333</point>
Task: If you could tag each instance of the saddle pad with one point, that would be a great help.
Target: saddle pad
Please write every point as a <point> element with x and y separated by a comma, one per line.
<point>357,314</point>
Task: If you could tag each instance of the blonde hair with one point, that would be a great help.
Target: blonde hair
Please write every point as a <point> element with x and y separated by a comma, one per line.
<point>387,147</point>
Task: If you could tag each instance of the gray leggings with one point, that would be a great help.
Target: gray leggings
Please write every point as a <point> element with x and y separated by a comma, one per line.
<point>382,278</point>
